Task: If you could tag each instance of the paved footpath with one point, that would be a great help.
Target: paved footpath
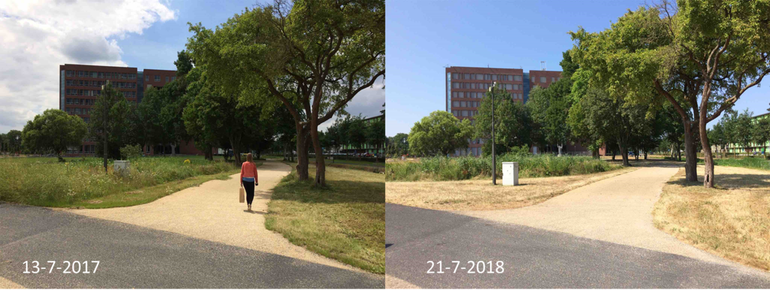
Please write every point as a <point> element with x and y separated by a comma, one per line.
<point>597,236</point>
<point>200,237</point>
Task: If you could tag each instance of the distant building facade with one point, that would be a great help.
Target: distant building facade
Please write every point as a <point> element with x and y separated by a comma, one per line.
<point>366,148</point>
<point>80,85</point>
<point>466,86</point>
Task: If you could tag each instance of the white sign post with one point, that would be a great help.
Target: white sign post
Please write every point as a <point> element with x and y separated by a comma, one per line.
<point>510,173</point>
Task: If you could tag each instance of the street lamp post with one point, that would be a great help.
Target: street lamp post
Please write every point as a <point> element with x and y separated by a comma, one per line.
<point>494,158</point>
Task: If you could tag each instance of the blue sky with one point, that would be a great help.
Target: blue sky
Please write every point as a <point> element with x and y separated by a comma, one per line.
<point>157,46</point>
<point>423,37</point>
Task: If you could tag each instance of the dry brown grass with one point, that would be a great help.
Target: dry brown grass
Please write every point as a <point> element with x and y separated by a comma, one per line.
<point>731,221</point>
<point>482,195</point>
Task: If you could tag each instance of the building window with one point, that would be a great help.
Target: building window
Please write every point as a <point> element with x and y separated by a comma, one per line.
<point>542,79</point>
<point>517,78</point>
<point>173,78</point>
<point>465,113</point>
<point>455,104</point>
<point>157,78</point>
<point>166,78</point>
<point>467,76</point>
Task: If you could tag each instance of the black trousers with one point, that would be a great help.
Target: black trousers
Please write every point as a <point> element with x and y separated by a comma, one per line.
<point>249,186</point>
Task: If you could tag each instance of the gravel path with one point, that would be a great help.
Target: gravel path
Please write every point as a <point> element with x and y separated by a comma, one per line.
<point>616,210</point>
<point>212,212</point>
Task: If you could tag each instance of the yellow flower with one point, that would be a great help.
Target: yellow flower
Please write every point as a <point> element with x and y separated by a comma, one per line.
<point>187,161</point>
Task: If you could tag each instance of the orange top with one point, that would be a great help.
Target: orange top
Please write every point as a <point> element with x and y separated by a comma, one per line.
<point>249,169</point>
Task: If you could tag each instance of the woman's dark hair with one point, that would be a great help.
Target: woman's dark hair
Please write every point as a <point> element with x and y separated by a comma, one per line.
<point>249,157</point>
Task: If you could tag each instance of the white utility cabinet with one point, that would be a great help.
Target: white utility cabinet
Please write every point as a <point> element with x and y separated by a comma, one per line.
<point>510,173</point>
<point>121,167</point>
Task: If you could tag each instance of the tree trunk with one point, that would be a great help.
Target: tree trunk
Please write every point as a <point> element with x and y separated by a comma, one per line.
<point>624,154</point>
<point>320,164</point>
<point>708,174</point>
<point>645,155</point>
<point>690,155</point>
<point>302,156</point>
<point>613,155</point>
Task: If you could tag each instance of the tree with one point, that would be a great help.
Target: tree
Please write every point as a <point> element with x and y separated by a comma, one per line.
<point>576,118</point>
<point>183,63</point>
<point>613,119</point>
<point>550,109</point>
<point>356,131</point>
<point>53,130</point>
<point>312,56</point>
<point>717,136</point>
<point>14,140</point>
<point>109,122</point>
<point>197,116</point>
<point>743,130</point>
<point>398,144</point>
<point>215,117</point>
<point>513,124</point>
<point>440,133</point>
<point>761,133</point>
<point>375,133</point>
<point>700,56</point>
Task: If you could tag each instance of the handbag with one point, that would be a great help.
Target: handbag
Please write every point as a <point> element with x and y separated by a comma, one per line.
<point>241,195</point>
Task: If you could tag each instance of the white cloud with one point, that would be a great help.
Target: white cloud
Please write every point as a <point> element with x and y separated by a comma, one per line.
<point>368,103</point>
<point>38,36</point>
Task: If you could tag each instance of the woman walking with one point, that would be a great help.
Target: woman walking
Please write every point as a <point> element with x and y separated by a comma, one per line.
<point>249,178</point>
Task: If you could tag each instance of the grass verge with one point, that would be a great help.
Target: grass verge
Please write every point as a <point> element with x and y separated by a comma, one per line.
<point>464,168</point>
<point>46,182</point>
<point>147,194</point>
<point>731,220</point>
<point>748,162</point>
<point>344,221</point>
<point>482,195</point>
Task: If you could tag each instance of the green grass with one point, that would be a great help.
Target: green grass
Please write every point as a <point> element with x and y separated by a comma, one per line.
<point>352,162</point>
<point>46,182</point>
<point>758,162</point>
<point>344,221</point>
<point>462,168</point>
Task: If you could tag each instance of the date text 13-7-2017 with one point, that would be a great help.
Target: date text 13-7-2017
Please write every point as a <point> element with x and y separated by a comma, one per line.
<point>66,267</point>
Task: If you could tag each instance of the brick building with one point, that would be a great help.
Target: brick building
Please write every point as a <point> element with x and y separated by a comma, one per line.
<point>466,86</point>
<point>80,85</point>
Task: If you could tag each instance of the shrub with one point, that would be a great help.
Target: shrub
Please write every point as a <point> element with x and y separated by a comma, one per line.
<point>462,168</point>
<point>131,152</point>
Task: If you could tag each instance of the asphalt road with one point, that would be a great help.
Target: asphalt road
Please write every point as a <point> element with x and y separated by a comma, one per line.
<point>137,257</point>
<point>536,258</point>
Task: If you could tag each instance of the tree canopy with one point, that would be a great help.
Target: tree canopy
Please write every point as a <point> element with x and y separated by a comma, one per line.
<point>312,56</point>
<point>53,131</point>
<point>440,133</point>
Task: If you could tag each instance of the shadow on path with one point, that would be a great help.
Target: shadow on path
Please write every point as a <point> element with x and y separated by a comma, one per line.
<point>536,258</point>
<point>136,257</point>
